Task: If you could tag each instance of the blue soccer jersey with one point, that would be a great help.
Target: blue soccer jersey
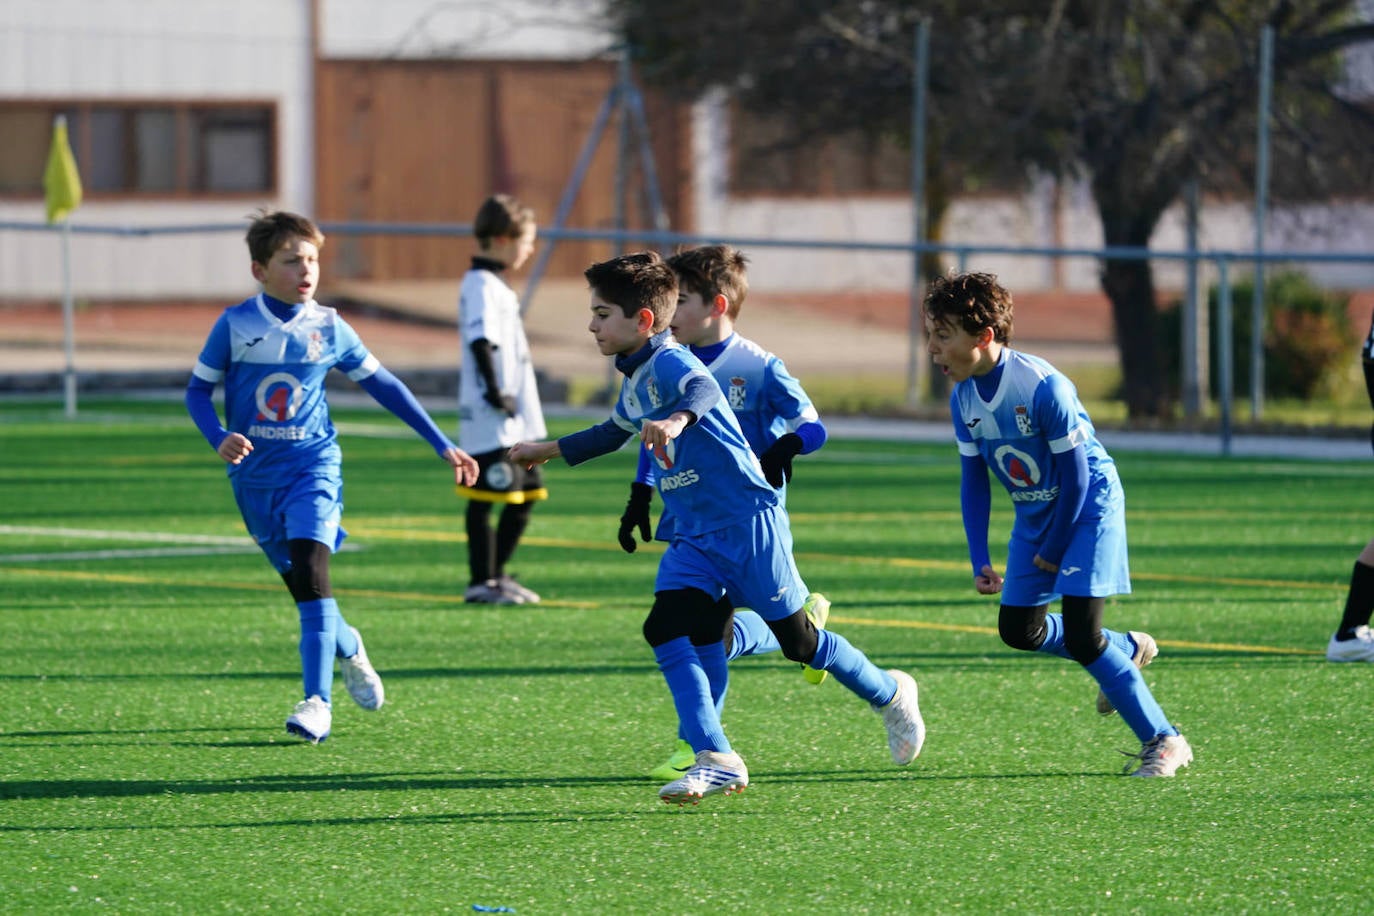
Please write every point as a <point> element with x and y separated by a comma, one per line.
<point>766,399</point>
<point>1033,415</point>
<point>708,476</point>
<point>274,385</point>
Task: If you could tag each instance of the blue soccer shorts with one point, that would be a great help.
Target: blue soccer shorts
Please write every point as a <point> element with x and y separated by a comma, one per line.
<point>308,508</point>
<point>750,561</point>
<point>1094,565</point>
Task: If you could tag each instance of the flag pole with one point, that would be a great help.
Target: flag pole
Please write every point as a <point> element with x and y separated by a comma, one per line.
<point>68,322</point>
<point>62,195</point>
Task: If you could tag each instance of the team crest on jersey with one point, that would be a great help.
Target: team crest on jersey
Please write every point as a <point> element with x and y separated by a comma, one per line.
<point>651,389</point>
<point>314,348</point>
<point>737,393</point>
<point>1023,420</point>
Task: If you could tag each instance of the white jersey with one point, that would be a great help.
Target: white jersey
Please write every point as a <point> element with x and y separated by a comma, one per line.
<point>488,308</point>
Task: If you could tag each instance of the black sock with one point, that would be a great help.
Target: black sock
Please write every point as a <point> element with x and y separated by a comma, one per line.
<point>1359,602</point>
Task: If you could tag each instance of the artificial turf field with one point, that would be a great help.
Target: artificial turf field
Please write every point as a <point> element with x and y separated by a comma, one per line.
<point>150,662</point>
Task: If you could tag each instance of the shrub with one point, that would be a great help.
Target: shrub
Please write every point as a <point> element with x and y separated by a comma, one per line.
<point>1307,339</point>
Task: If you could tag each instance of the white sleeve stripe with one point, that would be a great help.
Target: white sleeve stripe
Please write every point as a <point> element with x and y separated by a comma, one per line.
<point>624,423</point>
<point>1076,437</point>
<point>809,415</point>
<point>368,368</point>
<point>206,374</point>
<point>695,373</point>
<point>968,449</point>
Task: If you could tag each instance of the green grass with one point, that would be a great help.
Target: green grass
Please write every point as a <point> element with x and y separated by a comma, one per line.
<point>144,767</point>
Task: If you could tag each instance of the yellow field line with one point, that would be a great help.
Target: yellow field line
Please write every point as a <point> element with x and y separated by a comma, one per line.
<point>427,598</point>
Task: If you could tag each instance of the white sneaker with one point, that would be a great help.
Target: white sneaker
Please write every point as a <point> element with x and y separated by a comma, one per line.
<point>906,730</point>
<point>1359,649</point>
<point>713,772</point>
<point>1162,756</point>
<point>310,720</point>
<point>362,680</point>
<point>513,588</point>
<point>1145,651</point>
<point>489,592</point>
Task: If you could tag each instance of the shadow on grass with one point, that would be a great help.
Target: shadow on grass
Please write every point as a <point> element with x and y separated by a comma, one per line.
<point>403,782</point>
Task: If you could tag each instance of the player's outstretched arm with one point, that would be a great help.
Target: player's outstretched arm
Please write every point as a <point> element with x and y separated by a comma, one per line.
<point>531,453</point>
<point>464,466</point>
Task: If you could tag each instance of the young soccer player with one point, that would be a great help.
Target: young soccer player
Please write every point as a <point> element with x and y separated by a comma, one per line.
<point>1015,415</point>
<point>731,536</point>
<point>272,352</point>
<point>774,412</point>
<point>1353,641</point>
<point>498,401</point>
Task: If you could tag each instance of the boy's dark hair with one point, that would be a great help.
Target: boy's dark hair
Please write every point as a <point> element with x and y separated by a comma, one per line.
<point>713,270</point>
<point>971,301</point>
<point>636,281</point>
<point>272,229</point>
<point>501,217</point>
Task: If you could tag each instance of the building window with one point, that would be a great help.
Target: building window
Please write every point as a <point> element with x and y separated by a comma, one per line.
<point>154,149</point>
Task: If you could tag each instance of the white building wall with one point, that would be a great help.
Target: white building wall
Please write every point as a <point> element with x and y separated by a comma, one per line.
<point>156,49</point>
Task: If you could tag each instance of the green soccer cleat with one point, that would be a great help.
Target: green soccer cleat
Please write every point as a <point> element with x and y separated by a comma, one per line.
<point>817,609</point>
<point>677,765</point>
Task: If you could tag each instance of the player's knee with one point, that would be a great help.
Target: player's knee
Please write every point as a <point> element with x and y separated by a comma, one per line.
<point>677,613</point>
<point>1021,627</point>
<point>796,637</point>
<point>308,577</point>
<point>1084,646</point>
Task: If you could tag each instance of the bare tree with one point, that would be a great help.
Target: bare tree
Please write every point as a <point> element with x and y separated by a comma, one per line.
<point>1137,97</point>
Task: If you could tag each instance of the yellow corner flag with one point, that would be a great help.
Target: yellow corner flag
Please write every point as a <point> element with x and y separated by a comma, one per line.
<point>61,181</point>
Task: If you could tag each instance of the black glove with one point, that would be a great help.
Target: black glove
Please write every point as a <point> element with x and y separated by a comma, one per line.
<point>502,402</point>
<point>777,459</point>
<point>636,514</point>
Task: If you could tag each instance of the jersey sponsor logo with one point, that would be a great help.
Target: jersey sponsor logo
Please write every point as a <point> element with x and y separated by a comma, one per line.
<point>974,422</point>
<point>1070,570</point>
<point>1017,466</point>
<point>1035,496</point>
<point>1023,421</point>
<point>279,433</point>
<point>782,592</point>
<point>677,481</point>
<point>278,397</point>
<point>737,393</point>
<point>254,342</point>
<point>665,456</point>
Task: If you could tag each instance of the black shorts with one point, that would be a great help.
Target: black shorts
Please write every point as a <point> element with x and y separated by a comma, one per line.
<point>500,480</point>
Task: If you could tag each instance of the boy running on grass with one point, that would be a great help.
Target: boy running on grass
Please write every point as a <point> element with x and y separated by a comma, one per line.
<point>1019,418</point>
<point>774,412</point>
<point>731,535</point>
<point>272,352</point>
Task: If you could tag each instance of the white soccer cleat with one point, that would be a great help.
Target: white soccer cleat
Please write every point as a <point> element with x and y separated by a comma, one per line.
<point>509,586</point>
<point>1359,649</point>
<point>362,680</point>
<point>1162,756</point>
<point>713,772</point>
<point>310,720</point>
<point>906,730</point>
<point>1145,651</point>
<point>490,592</point>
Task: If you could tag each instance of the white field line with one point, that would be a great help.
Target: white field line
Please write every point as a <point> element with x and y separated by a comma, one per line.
<point>205,544</point>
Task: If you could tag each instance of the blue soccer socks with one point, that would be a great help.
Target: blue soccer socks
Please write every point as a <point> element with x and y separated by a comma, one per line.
<point>1123,684</point>
<point>320,626</point>
<point>852,668</point>
<point>691,690</point>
